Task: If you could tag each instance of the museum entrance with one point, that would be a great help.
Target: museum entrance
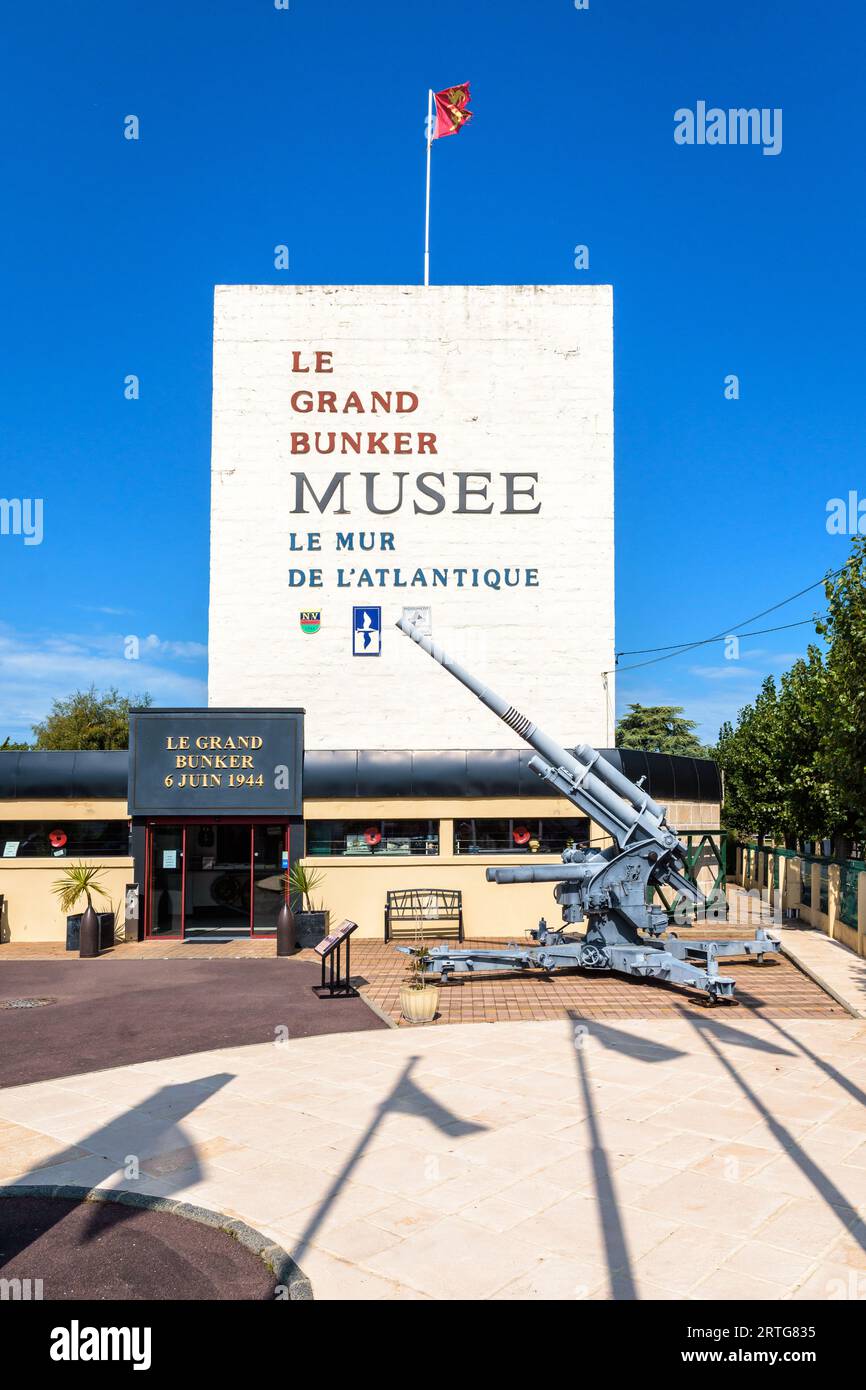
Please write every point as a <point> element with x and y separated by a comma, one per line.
<point>214,880</point>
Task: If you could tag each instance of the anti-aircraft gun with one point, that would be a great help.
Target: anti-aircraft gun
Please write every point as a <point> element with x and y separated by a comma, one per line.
<point>609,888</point>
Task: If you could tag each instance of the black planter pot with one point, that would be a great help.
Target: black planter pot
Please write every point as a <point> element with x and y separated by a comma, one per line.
<point>88,941</point>
<point>106,931</point>
<point>286,935</point>
<point>310,928</point>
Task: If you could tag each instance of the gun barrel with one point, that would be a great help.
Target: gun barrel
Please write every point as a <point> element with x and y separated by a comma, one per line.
<point>543,873</point>
<point>521,725</point>
<point>611,799</point>
<point>617,782</point>
<point>485,695</point>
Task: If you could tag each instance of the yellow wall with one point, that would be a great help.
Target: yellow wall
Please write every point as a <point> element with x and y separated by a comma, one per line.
<point>352,887</point>
<point>30,911</point>
<point>63,810</point>
<point>355,887</point>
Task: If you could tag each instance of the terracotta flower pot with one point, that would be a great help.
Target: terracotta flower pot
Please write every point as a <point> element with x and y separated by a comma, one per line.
<point>419,1005</point>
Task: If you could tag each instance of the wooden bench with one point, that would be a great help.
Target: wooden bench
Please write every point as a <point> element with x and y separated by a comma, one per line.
<point>423,913</point>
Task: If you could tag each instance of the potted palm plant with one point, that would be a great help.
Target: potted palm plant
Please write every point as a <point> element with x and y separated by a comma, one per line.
<point>418,999</point>
<point>311,923</point>
<point>77,881</point>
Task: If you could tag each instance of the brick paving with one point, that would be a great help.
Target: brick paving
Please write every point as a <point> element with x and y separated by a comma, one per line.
<point>776,989</point>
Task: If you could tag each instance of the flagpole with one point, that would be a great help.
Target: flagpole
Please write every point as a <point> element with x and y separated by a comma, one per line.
<point>427,210</point>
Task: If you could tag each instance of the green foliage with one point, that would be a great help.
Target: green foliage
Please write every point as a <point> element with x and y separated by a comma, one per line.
<point>77,881</point>
<point>810,800</point>
<point>305,880</point>
<point>843,741</point>
<point>795,761</point>
<point>418,960</point>
<point>87,720</point>
<point>7,746</point>
<point>774,781</point>
<point>659,729</point>
<point>746,754</point>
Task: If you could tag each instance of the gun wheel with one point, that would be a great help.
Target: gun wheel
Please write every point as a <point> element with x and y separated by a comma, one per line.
<point>593,958</point>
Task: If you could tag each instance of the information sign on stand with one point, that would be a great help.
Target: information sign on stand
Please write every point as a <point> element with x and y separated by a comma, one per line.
<point>330,948</point>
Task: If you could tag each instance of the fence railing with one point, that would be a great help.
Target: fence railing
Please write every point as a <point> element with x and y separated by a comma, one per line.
<point>827,889</point>
<point>706,859</point>
<point>848,888</point>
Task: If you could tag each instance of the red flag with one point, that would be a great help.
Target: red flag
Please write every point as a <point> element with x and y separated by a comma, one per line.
<point>452,110</point>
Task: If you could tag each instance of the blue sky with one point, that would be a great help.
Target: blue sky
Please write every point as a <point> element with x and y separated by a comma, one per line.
<point>304,126</point>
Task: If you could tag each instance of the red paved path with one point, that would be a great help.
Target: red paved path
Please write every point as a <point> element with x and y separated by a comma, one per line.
<point>101,1250</point>
<point>112,1012</point>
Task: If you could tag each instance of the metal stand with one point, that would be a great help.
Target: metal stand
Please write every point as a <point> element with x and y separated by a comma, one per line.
<point>335,984</point>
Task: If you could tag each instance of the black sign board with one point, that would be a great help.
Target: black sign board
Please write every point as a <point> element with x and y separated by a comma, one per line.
<point>336,983</point>
<point>327,943</point>
<point>216,762</point>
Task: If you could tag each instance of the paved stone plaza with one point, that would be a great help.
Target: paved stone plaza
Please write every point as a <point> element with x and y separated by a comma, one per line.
<point>607,1138</point>
<point>704,1156</point>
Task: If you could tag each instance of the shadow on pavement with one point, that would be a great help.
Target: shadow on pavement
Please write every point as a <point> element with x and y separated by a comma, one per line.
<point>405,1097</point>
<point>114,1147</point>
<point>823,1184</point>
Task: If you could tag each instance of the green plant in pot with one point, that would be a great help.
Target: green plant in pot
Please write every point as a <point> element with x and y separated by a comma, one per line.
<point>76,882</point>
<point>419,1000</point>
<point>311,922</point>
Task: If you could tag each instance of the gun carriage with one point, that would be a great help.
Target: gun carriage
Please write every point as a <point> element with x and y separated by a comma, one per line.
<point>609,889</point>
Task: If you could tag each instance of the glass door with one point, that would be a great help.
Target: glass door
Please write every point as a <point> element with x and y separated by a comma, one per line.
<point>270,853</point>
<point>218,872</point>
<point>215,880</point>
<point>165,915</point>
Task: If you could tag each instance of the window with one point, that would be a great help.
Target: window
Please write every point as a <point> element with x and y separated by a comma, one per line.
<point>62,839</point>
<point>367,837</point>
<point>519,835</point>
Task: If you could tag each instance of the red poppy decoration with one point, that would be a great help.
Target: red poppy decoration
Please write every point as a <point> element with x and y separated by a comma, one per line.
<point>520,835</point>
<point>373,835</point>
<point>57,839</point>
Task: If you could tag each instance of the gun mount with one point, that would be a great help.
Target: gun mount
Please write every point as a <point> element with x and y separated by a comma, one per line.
<point>610,888</point>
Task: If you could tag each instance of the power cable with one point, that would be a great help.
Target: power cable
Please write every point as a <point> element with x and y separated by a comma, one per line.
<point>679,648</point>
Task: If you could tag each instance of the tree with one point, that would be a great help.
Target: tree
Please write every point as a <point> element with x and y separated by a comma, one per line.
<point>774,781</point>
<point>809,800</point>
<point>843,742</point>
<point>87,720</point>
<point>748,756</point>
<point>9,746</point>
<point>659,729</point>
<point>795,763</point>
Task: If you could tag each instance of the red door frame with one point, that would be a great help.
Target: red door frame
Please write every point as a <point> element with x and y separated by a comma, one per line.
<point>251,821</point>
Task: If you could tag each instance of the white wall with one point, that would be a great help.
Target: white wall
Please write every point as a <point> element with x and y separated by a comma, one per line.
<point>514,379</point>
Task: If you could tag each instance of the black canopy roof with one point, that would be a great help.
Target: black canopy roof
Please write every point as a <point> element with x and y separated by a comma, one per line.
<point>356,773</point>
